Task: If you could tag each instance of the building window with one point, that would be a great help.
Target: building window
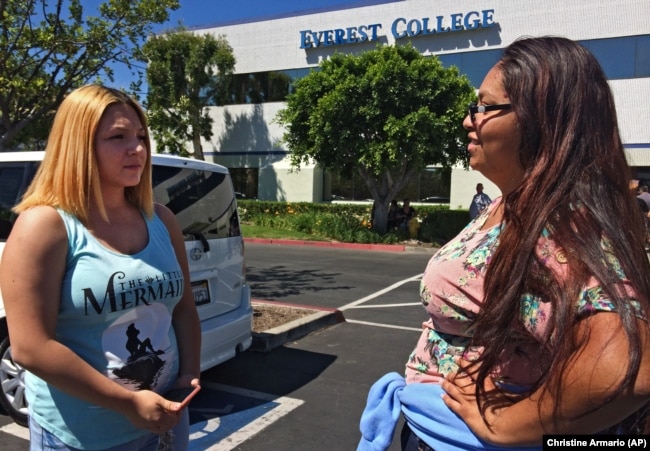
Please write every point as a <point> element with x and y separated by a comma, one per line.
<point>245,181</point>
<point>642,57</point>
<point>621,58</point>
<point>643,175</point>
<point>430,183</point>
<point>260,87</point>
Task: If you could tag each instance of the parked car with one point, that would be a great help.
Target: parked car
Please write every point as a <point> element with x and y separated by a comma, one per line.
<point>201,196</point>
<point>435,200</point>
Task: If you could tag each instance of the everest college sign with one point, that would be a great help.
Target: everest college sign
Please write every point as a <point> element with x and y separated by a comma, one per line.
<point>400,28</point>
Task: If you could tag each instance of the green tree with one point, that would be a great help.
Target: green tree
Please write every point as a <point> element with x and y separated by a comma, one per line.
<point>48,47</point>
<point>186,74</point>
<point>386,113</point>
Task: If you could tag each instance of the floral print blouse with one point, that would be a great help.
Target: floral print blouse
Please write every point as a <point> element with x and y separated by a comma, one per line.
<point>452,293</point>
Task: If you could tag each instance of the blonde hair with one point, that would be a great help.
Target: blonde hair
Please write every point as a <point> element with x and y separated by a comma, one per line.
<point>68,176</point>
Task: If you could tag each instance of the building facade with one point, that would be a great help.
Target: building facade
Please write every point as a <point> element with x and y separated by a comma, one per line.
<point>273,52</point>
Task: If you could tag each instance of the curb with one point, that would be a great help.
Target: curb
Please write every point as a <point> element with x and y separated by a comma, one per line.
<point>293,330</point>
<point>336,244</point>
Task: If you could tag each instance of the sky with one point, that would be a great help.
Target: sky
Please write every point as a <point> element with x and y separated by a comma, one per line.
<point>208,13</point>
<point>195,13</point>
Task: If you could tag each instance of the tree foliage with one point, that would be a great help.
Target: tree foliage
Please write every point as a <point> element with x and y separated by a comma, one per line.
<point>186,74</point>
<point>49,47</point>
<point>386,113</point>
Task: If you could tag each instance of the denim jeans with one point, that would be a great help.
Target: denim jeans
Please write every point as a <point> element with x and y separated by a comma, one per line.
<point>42,440</point>
<point>411,442</point>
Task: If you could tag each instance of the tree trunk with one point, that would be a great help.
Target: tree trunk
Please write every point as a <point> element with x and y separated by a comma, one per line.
<point>198,148</point>
<point>380,217</point>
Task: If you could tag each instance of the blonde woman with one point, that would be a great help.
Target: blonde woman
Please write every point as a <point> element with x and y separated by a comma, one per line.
<point>95,284</point>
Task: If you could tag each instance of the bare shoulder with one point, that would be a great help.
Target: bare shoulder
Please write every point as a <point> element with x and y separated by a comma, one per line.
<point>167,217</point>
<point>43,222</point>
<point>174,229</point>
<point>38,239</point>
<point>162,211</point>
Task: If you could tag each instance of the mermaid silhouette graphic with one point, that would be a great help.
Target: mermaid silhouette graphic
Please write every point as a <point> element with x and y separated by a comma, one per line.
<point>143,365</point>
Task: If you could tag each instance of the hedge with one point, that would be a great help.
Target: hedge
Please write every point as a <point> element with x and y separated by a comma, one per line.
<point>349,222</point>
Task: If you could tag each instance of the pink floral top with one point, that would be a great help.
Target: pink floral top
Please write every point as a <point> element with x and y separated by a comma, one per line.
<point>452,293</point>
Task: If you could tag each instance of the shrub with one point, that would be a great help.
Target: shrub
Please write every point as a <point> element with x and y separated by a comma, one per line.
<point>442,225</point>
<point>349,222</point>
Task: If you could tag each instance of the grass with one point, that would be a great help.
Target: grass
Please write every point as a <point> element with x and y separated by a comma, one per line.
<point>253,231</point>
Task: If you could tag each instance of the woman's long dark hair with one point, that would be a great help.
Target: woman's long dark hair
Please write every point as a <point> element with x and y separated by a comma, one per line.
<point>576,184</point>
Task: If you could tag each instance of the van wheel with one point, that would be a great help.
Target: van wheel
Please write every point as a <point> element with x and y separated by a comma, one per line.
<point>12,385</point>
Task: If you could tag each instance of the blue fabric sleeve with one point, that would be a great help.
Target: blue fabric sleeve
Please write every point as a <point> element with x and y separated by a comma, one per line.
<point>425,412</point>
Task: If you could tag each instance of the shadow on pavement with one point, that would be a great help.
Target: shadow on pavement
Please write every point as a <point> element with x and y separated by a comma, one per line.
<point>280,282</point>
<point>280,371</point>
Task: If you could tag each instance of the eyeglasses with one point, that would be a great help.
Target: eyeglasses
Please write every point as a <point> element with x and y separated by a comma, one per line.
<point>473,108</point>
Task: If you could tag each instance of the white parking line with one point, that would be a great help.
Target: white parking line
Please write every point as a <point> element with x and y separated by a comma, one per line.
<point>406,304</point>
<point>357,305</point>
<point>283,407</point>
<point>15,430</point>
<point>203,434</point>
<point>380,292</point>
<point>389,326</point>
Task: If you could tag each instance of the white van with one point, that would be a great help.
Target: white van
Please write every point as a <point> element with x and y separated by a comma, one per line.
<point>201,196</point>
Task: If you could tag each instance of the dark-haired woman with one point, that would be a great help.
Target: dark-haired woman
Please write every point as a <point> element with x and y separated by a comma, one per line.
<point>538,309</point>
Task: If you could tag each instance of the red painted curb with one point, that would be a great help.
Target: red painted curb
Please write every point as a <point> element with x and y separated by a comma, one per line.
<point>360,246</point>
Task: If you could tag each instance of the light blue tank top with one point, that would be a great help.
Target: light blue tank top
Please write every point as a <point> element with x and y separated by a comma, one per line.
<point>115,313</point>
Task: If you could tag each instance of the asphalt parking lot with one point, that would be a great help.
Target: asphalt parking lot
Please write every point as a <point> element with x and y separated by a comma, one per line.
<point>308,392</point>
<point>330,370</point>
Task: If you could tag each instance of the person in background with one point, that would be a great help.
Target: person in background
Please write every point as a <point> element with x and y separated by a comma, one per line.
<point>480,201</point>
<point>643,199</point>
<point>538,310</point>
<point>100,309</point>
<point>405,214</point>
<point>644,194</point>
<point>393,211</point>
<point>643,207</point>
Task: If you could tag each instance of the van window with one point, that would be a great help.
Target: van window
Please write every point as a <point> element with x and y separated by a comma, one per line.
<point>14,178</point>
<point>203,201</point>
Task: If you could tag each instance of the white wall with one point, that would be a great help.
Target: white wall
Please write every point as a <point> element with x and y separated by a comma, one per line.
<point>463,187</point>
<point>280,182</point>
<point>275,45</point>
<point>632,98</point>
